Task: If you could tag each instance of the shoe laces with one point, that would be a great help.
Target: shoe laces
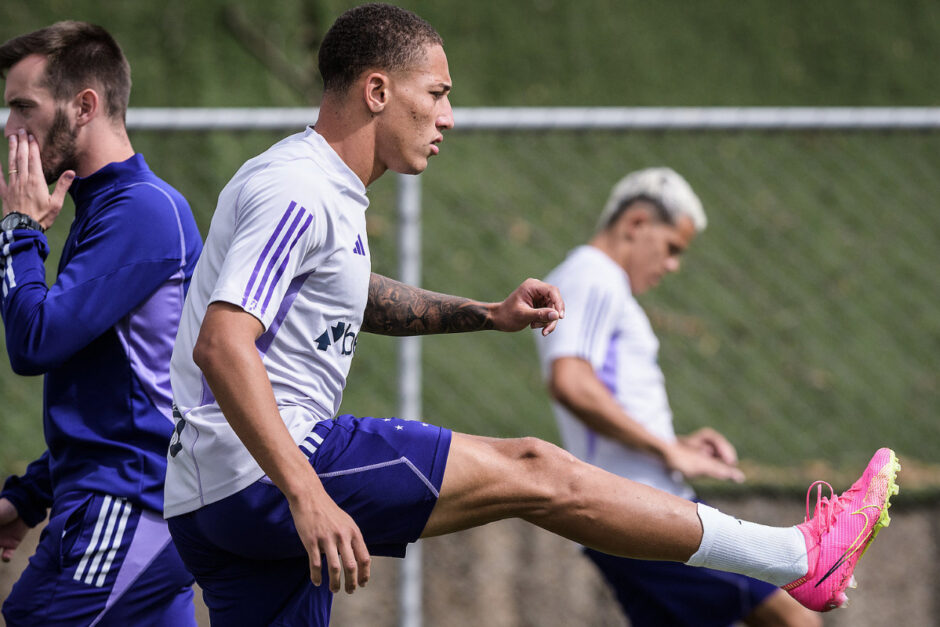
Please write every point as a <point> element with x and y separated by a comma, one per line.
<point>827,507</point>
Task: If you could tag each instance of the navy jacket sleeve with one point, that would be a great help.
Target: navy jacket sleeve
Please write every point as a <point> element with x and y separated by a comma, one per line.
<point>116,259</point>
<point>31,494</point>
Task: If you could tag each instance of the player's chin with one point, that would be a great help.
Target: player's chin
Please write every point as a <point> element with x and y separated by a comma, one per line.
<point>419,168</point>
<point>652,282</point>
<point>414,166</point>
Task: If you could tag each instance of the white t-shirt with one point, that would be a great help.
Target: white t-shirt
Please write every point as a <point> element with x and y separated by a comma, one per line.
<point>605,325</point>
<point>288,245</point>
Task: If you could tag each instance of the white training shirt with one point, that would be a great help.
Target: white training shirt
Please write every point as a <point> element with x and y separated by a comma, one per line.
<point>288,245</point>
<point>605,325</point>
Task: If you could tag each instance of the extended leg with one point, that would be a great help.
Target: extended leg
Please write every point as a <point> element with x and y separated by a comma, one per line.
<point>489,479</point>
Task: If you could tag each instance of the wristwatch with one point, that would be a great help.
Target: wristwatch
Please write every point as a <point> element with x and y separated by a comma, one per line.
<point>17,220</point>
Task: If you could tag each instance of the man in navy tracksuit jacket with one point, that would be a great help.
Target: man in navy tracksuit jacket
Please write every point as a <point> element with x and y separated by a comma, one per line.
<point>102,335</point>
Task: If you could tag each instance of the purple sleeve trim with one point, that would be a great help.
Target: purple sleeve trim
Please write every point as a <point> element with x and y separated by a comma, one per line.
<point>280,270</point>
<point>264,252</point>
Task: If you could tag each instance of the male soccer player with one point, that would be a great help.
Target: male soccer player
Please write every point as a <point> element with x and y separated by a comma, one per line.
<point>264,486</point>
<point>102,335</point>
<point>610,400</point>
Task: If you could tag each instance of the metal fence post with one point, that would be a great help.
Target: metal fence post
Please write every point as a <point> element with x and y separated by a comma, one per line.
<point>409,375</point>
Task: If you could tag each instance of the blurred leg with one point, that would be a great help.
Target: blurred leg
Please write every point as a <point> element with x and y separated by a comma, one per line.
<point>782,610</point>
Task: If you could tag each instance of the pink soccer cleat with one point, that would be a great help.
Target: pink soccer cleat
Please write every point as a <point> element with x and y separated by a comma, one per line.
<point>840,531</point>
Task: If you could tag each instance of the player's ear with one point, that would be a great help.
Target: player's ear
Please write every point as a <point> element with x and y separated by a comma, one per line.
<point>376,91</point>
<point>632,220</point>
<point>86,105</point>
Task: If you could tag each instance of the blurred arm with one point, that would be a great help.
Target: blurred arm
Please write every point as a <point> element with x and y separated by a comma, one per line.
<point>574,384</point>
<point>12,529</point>
<point>24,502</point>
<point>31,493</point>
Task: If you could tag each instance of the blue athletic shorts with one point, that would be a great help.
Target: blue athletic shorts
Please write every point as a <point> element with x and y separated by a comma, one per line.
<point>244,550</point>
<point>671,594</point>
<point>102,561</point>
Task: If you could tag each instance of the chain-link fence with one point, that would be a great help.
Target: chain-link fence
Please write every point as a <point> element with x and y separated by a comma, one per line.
<point>805,323</point>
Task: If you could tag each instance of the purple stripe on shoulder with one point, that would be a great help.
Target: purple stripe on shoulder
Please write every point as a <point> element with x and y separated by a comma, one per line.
<point>280,270</point>
<point>276,257</point>
<point>264,252</point>
<point>263,343</point>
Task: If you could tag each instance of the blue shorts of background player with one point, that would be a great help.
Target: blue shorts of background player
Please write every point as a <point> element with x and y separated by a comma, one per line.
<point>246,547</point>
<point>671,594</point>
<point>102,561</point>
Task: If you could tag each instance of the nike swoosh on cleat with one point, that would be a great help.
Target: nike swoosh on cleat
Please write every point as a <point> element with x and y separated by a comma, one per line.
<point>852,548</point>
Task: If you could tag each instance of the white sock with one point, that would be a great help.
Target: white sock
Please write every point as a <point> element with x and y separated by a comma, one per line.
<point>776,555</point>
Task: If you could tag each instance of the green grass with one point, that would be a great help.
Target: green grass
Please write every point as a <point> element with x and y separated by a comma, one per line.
<point>544,52</point>
<point>804,324</point>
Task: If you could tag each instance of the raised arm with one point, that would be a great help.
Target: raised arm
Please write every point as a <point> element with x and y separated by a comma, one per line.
<point>125,253</point>
<point>395,308</point>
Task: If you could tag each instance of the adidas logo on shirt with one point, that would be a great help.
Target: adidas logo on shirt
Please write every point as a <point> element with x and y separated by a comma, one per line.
<point>359,249</point>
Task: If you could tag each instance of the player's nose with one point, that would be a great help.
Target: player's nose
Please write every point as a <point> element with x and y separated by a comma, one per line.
<point>445,120</point>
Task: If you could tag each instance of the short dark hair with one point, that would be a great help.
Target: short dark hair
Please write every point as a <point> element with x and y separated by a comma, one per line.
<point>659,213</point>
<point>78,55</point>
<point>372,36</point>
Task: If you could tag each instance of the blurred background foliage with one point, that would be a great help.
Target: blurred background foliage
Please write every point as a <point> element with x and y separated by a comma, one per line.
<point>805,324</point>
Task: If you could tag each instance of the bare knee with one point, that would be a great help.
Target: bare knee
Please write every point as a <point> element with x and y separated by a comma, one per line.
<point>539,456</point>
<point>550,476</point>
<point>536,451</point>
<point>488,479</point>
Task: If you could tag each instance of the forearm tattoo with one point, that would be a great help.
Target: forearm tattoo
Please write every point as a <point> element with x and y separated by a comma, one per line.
<point>395,308</point>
